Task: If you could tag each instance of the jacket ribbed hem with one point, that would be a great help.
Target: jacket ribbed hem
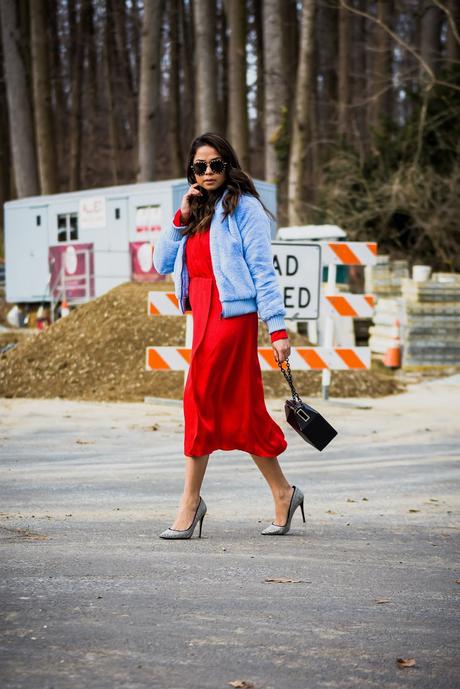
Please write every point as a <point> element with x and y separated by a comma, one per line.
<point>241,306</point>
<point>238,307</point>
<point>275,323</point>
<point>174,233</point>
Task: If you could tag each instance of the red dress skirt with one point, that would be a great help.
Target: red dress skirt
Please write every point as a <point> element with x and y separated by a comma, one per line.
<point>224,407</point>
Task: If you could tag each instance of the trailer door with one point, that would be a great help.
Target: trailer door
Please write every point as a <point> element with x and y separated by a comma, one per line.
<point>26,253</point>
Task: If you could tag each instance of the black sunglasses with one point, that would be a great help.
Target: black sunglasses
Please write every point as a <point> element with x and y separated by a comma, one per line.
<point>217,165</point>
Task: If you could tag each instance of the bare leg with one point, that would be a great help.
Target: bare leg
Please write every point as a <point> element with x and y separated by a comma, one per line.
<point>280,487</point>
<point>195,468</point>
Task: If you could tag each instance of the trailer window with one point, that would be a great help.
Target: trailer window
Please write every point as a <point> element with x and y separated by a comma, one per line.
<point>67,227</point>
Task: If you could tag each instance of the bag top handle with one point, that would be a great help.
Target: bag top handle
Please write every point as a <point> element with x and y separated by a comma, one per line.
<point>288,376</point>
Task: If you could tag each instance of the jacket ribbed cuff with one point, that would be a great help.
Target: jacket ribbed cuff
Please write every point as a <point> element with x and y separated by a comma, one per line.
<point>275,323</point>
<point>174,232</point>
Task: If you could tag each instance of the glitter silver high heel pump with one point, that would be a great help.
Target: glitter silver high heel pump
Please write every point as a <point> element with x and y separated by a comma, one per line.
<point>187,533</point>
<point>296,500</point>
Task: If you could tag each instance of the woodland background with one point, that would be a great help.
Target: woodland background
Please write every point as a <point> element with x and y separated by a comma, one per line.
<point>351,106</point>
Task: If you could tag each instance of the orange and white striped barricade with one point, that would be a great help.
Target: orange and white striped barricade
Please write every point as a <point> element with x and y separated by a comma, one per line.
<point>349,253</point>
<point>334,254</point>
<point>163,304</point>
<point>300,359</point>
<point>167,304</point>
<point>352,305</point>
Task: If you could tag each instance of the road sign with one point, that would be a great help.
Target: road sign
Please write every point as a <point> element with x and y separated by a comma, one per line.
<point>298,267</point>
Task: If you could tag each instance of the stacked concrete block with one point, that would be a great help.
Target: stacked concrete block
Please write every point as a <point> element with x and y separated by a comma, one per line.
<point>431,324</point>
<point>386,321</point>
<point>385,277</point>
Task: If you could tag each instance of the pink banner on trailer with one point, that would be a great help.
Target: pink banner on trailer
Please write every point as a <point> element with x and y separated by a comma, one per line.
<point>72,271</point>
<point>142,268</point>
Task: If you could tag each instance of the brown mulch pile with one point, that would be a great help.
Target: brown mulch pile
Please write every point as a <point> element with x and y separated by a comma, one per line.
<point>98,353</point>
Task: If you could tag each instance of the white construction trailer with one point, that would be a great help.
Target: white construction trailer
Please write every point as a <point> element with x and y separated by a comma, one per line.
<point>78,245</point>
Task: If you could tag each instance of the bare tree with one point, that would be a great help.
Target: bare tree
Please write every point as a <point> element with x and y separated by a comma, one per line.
<point>174,93</point>
<point>42,98</point>
<point>430,40</point>
<point>344,70</point>
<point>453,31</point>
<point>186,58</point>
<point>149,88</point>
<point>327,19</point>
<point>19,104</point>
<point>107,72</point>
<point>238,121</point>
<point>301,129</point>
<point>206,111</point>
<point>222,66</point>
<point>381,82</point>
<point>258,133</point>
<point>275,89</point>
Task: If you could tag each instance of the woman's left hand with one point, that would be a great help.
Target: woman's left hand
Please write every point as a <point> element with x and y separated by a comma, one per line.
<point>281,349</point>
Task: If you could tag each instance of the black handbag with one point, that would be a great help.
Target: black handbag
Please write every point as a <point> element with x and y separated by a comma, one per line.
<point>305,420</point>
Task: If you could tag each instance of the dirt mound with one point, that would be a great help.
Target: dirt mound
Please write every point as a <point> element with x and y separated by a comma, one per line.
<point>98,353</point>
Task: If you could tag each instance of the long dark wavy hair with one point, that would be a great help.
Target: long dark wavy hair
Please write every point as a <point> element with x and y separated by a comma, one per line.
<point>236,182</point>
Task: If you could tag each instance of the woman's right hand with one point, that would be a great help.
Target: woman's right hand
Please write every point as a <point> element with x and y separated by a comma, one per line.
<point>193,190</point>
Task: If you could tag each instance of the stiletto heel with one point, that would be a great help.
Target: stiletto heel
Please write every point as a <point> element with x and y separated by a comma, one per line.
<point>187,533</point>
<point>277,530</point>
<point>303,513</point>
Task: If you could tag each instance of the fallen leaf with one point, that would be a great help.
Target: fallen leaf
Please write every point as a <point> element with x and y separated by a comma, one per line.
<point>406,662</point>
<point>383,600</point>
<point>241,684</point>
<point>414,510</point>
<point>85,442</point>
<point>283,580</point>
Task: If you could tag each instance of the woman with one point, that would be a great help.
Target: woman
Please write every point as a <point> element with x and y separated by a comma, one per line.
<point>220,253</point>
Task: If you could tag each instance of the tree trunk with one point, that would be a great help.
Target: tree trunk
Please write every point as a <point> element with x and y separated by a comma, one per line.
<point>327,17</point>
<point>359,82</point>
<point>59,105</point>
<point>344,72</point>
<point>177,164</point>
<point>238,122</point>
<point>453,43</point>
<point>76,70</point>
<point>128,109</point>
<point>206,115</point>
<point>381,90</point>
<point>430,40</point>
<point>302,122</point>
<point>42,98</point>
<point>290,54</point>
<point>222,69</point>
<point>19,104</point>
<point>258,134</point>
<point>187,52</point>
<point>91,141</point>
<point>275,89</point>
<point>148,90</point>
<point>5,159</point>
<point>107,70</point>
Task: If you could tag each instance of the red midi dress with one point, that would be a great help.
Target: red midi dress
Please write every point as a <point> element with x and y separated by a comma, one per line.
<point>224,407</point>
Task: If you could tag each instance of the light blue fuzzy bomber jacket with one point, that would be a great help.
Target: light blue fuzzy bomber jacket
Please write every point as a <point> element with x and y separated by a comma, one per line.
<point>242,262</point>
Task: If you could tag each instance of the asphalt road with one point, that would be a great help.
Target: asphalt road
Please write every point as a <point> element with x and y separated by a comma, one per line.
<point>91,597</point>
